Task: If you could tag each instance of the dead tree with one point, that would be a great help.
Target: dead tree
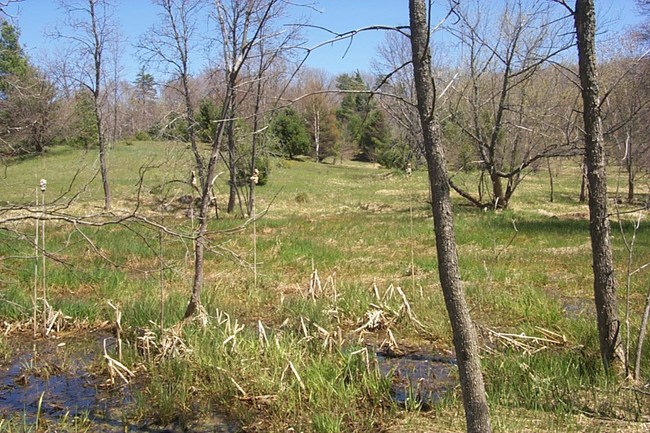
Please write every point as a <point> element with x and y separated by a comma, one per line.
<point>500,106</point>
<point>91,31</point>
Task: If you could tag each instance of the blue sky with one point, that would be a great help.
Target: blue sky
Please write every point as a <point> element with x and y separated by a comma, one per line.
<point>36,17</point>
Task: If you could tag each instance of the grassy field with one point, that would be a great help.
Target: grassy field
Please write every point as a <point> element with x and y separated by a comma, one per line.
<point>274,355</point>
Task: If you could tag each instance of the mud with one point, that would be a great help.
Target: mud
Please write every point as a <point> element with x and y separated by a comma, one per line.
<point>419,378</point>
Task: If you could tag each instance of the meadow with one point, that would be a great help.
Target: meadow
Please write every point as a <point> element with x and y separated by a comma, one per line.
<point>339,267</point>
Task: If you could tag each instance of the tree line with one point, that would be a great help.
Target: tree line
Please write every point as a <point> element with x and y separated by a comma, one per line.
<point>510,103</point>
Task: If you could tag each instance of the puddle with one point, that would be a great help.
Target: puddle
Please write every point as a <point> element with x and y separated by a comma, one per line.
<point>419,377</point>
<point>58,385</point>
<point>63,392</point>
<point>577,307</point>
<point>54,381</point>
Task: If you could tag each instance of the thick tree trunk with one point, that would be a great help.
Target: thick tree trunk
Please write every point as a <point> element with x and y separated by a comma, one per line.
<point>500,202</point>
<point>599,226</point>
<point>465,338</point>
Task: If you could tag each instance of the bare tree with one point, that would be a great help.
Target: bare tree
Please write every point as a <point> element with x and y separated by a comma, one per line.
<point>394,64</point>
<point>496,106</point>
<point>28,112</point>
<point>170,43</point>
<point>599,226</point>
<point>90,33</point>
<point>465,338</point>
<point>238,21</point>
<point>318,108</point>
<point>5,3</point>
<point>625,110</point>
<point>241,24</point>
<point>263,80</point>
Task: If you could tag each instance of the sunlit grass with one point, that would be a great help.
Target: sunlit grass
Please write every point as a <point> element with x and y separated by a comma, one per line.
<point>359,226</point>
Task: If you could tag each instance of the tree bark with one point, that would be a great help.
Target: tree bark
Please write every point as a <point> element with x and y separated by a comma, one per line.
<point>317,133</point>
<point>464,333</point>
<point>550,180</point>
<point>630,173</point>
<point>583,181</point>
<point>232,168</point>
<point>599,226</point>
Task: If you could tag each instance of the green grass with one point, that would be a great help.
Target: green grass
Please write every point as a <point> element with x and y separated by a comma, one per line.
<point>358,225</point>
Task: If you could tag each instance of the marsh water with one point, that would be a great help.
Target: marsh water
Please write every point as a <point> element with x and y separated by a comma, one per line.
<point>419,378</point>
<point>61,381</point>
<point>58,381</point>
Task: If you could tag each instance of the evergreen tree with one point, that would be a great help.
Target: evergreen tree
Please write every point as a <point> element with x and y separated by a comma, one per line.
<point>145,85</point>
<point>144,100</point>
<point>329,136</point>
<point>206,119</point>
<point>82,129</point>
<point>13,61</point>
<point>292,134</point>
<point>27,105</point>
<point>363,124</point>
<point>375,136</point>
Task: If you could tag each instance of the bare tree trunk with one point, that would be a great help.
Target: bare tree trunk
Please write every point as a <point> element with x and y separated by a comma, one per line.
<point>317,133</point>
<point>98,51</point>
<point>199,254</point>
<point>583,181</point>
<point>599,226</point>
<point>235,22</point>
<point>497,189</point>
<point>465,338</point>
<point>206,198</point>
<point>250,205</point>
<point>550,179</point>
<point>630,176</point>
<point>103,166</point>
<point>232,169</point>
<point>641,338</point>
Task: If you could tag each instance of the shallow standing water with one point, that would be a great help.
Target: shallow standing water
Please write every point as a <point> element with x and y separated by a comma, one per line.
<point>55,381</point>
<point>419,377</point>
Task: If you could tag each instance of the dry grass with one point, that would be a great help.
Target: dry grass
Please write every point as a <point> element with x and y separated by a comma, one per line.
<point>521,269</point>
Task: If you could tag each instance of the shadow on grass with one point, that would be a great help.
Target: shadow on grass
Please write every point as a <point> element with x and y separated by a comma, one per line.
<point>556,226</point>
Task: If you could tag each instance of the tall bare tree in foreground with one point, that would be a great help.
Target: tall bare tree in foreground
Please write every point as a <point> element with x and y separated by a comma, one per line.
<point>599,226</point>
<point>241,24</point>
<point>465,338</point>
<point>91,31</point>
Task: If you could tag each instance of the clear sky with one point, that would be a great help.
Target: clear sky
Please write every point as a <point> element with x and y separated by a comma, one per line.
<point>36,17</point>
